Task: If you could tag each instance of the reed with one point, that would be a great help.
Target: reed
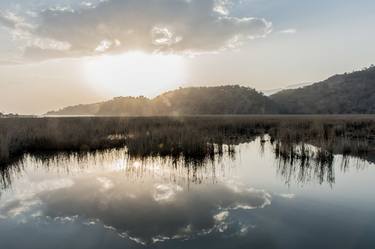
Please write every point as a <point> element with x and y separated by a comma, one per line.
<point>191,137</point>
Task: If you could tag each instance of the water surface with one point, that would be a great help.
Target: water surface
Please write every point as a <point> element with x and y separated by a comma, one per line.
<point>247,200</point>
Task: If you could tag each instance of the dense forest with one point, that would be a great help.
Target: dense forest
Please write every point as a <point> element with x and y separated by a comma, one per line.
<point>349,93</point>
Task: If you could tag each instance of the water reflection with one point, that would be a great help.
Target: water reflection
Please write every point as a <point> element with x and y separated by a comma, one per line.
<point>295,163</point>
<point>156,200</point>
<point>157,211</point>
<point>146,201</point>
<point>306,163</point>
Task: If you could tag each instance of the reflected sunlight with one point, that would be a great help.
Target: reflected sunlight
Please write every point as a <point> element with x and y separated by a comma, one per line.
<point>134,73</point>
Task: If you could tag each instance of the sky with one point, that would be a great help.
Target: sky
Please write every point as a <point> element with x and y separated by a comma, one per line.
<point>55,53</point>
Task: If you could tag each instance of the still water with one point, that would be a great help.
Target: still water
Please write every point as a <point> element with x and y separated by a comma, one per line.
<point>249,200</point>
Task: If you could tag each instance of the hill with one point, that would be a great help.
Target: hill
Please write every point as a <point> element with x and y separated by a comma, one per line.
<point>349,93</point>
<point>183,101</point>
<point>119,106</point>
<point>270,92</point>
<point>214,100</point>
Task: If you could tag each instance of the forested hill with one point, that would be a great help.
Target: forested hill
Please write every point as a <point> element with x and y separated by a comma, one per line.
<point>349,93</point>
<point>214,100</point>
<point>119,106</point>
<point>183,101</point>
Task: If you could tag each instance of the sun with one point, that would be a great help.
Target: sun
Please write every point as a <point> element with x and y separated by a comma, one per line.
<point>134,73</point>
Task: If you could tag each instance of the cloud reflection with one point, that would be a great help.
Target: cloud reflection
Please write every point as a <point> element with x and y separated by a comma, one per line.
<point>146,211</point>
<point>22,201</point>
<point>152,212</point>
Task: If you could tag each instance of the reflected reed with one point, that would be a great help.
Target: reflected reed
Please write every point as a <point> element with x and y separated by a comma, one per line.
<point>299,164</point>
<point>183,170</point>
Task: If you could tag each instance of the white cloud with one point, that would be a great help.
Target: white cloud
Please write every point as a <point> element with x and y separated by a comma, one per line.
<point>104,46</point>
<point>164,37</point>
<point>222,7</point>
<point>11,20</point>
<point>23,32</point>
<point>116,26</point>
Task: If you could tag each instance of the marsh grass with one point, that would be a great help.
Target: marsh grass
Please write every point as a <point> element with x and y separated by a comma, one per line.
<point>190,137</point>
<point>193,138</point>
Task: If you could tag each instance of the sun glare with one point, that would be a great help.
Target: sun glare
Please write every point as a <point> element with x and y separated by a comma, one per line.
<point>135,73</point>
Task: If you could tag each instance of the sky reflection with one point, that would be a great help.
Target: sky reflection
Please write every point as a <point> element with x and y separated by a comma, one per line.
<point>147,211</point>
<point>231,202</point>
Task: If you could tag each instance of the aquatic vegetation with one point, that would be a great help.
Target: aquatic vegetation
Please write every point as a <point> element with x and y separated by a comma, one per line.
<point>193,138</point>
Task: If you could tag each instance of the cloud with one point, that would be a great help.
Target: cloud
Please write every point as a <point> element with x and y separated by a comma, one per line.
<point>12,21</point>
<point>288,31</point>
<point>33,46</point>
<point>116,26</point>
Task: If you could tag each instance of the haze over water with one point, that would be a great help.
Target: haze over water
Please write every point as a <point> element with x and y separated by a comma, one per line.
<point>247,200</point>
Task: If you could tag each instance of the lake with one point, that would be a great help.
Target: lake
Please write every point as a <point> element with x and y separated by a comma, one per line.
<point>246,199</point>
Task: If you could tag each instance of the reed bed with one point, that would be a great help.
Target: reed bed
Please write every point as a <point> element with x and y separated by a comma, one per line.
<point>191,137</point>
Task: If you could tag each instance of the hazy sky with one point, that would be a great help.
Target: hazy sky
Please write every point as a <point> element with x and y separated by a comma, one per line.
<point>55,53</point>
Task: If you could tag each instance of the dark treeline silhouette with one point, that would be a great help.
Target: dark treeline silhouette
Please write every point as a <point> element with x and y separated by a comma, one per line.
<point>352,93</point>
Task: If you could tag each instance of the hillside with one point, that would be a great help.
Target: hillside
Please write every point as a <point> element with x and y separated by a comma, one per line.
<point>89,109</point>
<point>214,100</point>
<point>349,93</point>
<point>119,106</point>
<point>183,101</point>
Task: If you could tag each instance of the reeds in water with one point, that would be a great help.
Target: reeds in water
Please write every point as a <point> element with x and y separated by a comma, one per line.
<point>192,137</point>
